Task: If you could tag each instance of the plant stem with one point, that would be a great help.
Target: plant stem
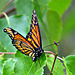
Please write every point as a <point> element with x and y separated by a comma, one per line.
<point>49,52</point>
<point>55,57</point>
<point>53,65</point>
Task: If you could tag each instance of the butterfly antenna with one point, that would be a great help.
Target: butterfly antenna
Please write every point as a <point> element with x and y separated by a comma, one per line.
<point>51,44</point>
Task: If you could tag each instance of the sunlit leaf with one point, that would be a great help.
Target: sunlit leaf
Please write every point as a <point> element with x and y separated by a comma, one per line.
<point>67,70</point>
<point>1,65</point>
<point>70,62</point>
<point>25,65</point>
<point>8,68</point>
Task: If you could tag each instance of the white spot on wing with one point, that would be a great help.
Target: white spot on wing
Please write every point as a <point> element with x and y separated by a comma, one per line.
<point>15,32</point>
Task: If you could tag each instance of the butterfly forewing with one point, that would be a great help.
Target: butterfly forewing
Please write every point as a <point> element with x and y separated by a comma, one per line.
<point>34,36</point>
<point>20,42</point>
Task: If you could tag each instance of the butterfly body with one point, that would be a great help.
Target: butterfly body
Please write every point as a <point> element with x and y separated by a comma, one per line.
<point>31,45</point>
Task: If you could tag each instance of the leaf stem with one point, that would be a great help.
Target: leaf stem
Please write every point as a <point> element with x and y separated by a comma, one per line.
<point>49,52</point>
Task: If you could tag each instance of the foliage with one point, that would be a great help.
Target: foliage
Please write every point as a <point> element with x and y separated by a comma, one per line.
<point>49,13</point>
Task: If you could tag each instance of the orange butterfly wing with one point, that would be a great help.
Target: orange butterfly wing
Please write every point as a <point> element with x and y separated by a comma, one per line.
<point>34,36</point>
<point>20,42</point>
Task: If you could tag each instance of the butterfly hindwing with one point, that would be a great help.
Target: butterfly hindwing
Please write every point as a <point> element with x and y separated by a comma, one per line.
<point>34,36</point>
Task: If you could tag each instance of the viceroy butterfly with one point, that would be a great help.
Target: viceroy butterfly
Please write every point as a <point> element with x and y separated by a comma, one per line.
<point>31,45</point>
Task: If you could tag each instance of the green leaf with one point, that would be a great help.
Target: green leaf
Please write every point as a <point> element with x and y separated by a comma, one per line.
<point>42,4</point>
<point>25,65</point>
<point>6,56</point>
<point>28,5</point>
<point>8,68</point>
<point>54,26</point>
<point>59,6</point>
<point>58,67</point>
<point>1,65</point>
<point>67,70</point>
<point>39,72</point>
<point>40,15</point>
<point>70,62</point>
<point>2,48</point>
<point>18,23</point>
<point>3,39</point>
<point>24,7</point>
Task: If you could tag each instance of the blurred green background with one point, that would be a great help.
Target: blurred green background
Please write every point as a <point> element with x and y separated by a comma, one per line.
<point>68,35</point>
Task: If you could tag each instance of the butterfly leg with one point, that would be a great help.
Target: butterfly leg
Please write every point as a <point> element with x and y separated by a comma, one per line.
<point>39,62</point>
<point>36,64</point>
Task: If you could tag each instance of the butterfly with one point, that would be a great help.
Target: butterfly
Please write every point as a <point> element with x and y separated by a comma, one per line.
<point>31,45</point>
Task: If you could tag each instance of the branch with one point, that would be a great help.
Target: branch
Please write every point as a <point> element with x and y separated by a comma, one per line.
<point>7,5</point>
<point>7,12</point>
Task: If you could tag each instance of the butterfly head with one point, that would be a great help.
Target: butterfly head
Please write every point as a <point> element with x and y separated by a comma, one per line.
<point>37,54</point>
